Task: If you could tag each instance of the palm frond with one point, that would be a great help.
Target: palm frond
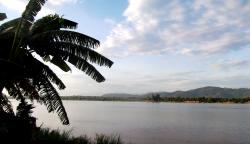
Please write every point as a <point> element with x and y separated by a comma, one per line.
<point>7,34</point>
<point>84,66</point>
<point>51,98</point>
<point>52,22</point>
<point>12,23</point>
<point>67,36</point>
<point>31,10</point>
<point>28,17</point>
<point>79,62</point>
<point>24,110</point>
<point>28,89</point>
<point>65,49</point>
<point>5,104</point>
<point>11,70</point>
<point>2,16</point>
<point>22,31</point>
<point>60,63</point>
<point>14,91</point>
<point>38,68</point>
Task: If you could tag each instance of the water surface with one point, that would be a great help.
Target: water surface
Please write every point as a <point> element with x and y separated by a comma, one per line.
<point>147,123</point>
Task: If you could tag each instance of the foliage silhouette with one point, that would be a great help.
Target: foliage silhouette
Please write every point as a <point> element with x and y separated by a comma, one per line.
<point>17,128</point>
<point>2,16</point>
<point>25,76</point>
<point>45,136</point>
<point>162,99</point>
<point>156,98</point>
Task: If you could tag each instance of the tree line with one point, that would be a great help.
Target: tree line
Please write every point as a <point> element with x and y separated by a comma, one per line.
<point>157,98</point>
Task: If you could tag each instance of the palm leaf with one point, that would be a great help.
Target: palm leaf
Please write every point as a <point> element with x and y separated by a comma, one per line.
<point>11,23</point>
<point>47,94</point>
<point>28,17</point>
<point>84,66</point>
<point>67,36</point>
<point>14,91</point>
<point>65,49</point>
<point>2,16</point>
<point>5,104</point>
<point>60,63</point>
<point>11,70</point>
<point>38,68</point>
<point>51,98</point>
<point>78,62</point>
<point>28,89</point>
<point>24,110</point>
<point>52,22</point>
<point>31,10</point>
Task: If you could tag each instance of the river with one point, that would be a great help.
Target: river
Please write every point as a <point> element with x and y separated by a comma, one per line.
<point>148,123</point>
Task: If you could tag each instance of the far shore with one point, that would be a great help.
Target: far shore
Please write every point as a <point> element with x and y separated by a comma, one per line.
<point>165,100</point>
<point>198,100</point>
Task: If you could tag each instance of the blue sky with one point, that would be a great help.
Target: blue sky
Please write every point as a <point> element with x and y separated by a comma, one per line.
<point>158,45</point>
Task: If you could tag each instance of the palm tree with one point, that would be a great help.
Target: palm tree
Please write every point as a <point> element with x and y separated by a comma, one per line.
<point>48,37</point>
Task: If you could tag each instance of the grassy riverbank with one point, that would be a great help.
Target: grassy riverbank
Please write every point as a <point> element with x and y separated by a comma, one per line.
<point>49,136</point>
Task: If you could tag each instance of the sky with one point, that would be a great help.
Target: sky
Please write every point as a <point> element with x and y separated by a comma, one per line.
<point>157,45</point>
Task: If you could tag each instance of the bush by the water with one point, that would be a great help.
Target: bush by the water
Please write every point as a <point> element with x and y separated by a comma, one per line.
<point>48,136</point>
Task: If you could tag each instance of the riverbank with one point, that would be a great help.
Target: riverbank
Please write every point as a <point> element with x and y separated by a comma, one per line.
<point>162,99</point>
<point>49,136</point>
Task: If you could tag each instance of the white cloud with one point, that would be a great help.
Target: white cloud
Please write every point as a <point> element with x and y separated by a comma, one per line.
<point>185,27</point>
<point>19,6</point>
<point>61,2</point>
<point>16,5</point>
<point>229,64</point>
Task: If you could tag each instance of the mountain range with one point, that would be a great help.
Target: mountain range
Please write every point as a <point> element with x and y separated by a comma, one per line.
<point>209,91</point>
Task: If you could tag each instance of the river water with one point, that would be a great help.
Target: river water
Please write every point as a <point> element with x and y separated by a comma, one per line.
<point>148,123</point>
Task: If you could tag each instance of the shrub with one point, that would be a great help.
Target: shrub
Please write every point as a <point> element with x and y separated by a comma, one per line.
<point>48,136</point>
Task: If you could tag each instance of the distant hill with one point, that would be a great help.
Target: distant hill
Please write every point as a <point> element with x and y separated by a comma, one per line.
<point>215,92</point>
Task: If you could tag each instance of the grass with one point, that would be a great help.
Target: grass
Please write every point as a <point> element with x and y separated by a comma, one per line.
<point>48,136</point>
<point>103,139</point>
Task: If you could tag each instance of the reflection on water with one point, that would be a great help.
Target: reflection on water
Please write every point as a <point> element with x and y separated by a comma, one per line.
<point>147,123</point>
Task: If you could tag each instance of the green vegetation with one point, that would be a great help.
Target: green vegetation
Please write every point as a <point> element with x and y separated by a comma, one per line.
<point>206,100</point>
<point>18,127</point>
<point>157,98</point>
<point>46,135</point>
<point>102,98</point>
<point>2,16</point>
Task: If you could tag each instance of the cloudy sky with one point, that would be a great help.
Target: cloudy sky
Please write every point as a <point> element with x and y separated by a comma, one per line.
<point>157,45</point>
